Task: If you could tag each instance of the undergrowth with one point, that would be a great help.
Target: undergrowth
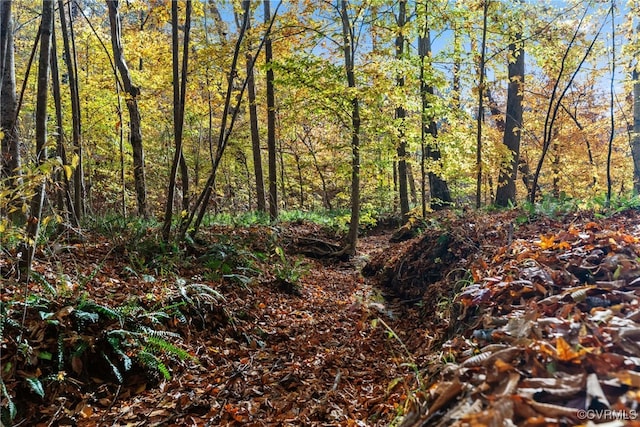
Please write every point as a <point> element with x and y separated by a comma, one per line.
<point>52,341</point>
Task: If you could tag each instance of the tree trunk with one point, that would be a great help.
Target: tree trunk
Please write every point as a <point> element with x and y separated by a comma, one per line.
<point>10,148</point>
<point>506,194</point>
<point>132,107</point>
<point>481,106</point>
<point>326,201</point>
<point>78,178</point>
<point>349,51</point>
<point>33,225</point>
<point>400,116</point>
<point>440,195</point>
<point>64,202</point>
<point>179,88</point>
<point>612,94</point>
<point>271,121</point>
<point>555,100</point>
<point>635,136</point>
<point>255,132</point>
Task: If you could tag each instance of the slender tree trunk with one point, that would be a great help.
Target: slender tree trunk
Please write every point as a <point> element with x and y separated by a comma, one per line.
<point>326,202</point>
<point>611,103</point>
<point>635,136</point>
<point>440,195</point>
<point>555,100</point>
<point>506,194</point>
<point>179,89</point>
<point>132,106</point>
<point>401,115</point>
<point>65,204</point>
<point>255,132</point>
<point>78,178</point>
<point>271,121</point>
<point>480,117</point>
<point>33,225</point>
<point>10,161</point>
<point>349,63</point>
<point>200,205</point>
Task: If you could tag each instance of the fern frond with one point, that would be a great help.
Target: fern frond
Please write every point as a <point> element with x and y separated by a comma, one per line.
<point>149,332</point>
<point>92,306</point>
<point>151,362</point>
<point>155,317</point>
<point>11,407</point>
<point>204,291</point>
<point>36,386</point>
<point>45,283</point>
<point>114,369</point>
<point>84,316</point>
<point>166,347</point>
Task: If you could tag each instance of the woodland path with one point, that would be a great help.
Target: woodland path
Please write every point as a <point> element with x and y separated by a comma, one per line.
<point>329,356</point>
<point>321,358</point>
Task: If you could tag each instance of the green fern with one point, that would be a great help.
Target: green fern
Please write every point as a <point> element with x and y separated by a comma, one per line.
<point>114,369</point>
<point>153,363</point>
<point>45,283</point>
<point>164,346</point>
<point>93,307</point>
<point>154,333</point>
<point>36,386</point>
<point>9,410</point>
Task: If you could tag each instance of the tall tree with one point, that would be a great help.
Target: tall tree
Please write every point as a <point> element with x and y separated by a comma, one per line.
<point>506,193</point>
<point>480,117</point>
<point>10,151</point>
<point>63,192</point>
<point>69,59</point>
<point>132,107</point>
<point>612,96</point>
<point>35,217</point>
<point>179,96</point>
<point>401,114</point>
<point>635,135</point>
<point>255,132</point>
<point>440,195</point>
<point>200,206</point>
<point>349,66</point>
<point>271,121</point>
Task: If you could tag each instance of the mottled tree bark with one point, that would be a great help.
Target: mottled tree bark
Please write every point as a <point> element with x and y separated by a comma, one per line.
<point>132,107</point>
<point>10,151</point>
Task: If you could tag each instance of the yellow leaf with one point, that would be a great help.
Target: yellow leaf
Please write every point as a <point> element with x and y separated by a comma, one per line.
<point>75,161</point>
<point>565,353</point>
<point>68,171</point>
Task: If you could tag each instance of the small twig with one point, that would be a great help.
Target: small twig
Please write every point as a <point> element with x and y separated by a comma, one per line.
<point>336,380</point>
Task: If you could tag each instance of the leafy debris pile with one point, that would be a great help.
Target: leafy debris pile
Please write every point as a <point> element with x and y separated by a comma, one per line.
<point>554,335</point>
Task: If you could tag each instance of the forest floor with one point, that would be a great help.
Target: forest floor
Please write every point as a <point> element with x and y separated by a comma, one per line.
<point>483,319</point>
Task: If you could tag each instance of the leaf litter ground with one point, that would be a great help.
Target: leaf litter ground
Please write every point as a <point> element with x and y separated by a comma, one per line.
<point>480,320</point>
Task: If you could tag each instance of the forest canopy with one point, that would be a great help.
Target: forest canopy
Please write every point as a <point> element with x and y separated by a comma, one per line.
<point>375,106</point>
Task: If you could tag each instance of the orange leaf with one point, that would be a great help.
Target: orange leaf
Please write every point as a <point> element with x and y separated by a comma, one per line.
<point>546,242</point>
<point>564,351</point>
